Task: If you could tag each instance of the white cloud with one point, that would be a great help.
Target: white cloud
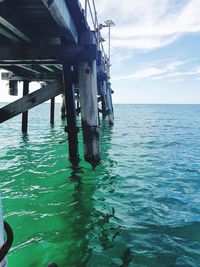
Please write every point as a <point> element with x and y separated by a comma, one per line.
<point>197,70</point>
<point>176,70</point>
<point>149,24</point>
<point>145,73</point>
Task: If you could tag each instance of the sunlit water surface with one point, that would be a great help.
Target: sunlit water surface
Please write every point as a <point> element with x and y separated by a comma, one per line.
<point>140,207</point>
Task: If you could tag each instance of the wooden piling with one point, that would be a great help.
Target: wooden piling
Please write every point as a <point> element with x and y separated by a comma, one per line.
<point>103,107</point>
<point>71,128</point>
<point>52,110</point>
<point>25,114</point>
<point>104,104</point>
<point>110,105</point>
<point>78,108</point>
<point>63,108</point>
<point>89,111</point>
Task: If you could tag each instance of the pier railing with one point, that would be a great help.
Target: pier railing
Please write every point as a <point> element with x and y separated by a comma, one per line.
<point>92,16</point>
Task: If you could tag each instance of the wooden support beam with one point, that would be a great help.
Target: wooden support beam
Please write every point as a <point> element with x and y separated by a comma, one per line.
<point>52,110</point>
<point>89,104</point>
<point>14,24</point>
<point>110,105</point>
<point>28,68</point>
<point>104,102</point>
<point>78,108</point>
<point>29,101</point>
<point>77,13</point>
<point>63,107</point>
<point>45,62</point>
<point>9,76</point>
<point>61,14</point>
<point>8,35</point>
<point>21,75</point>
<point>46,67</point>
<point>103,108</point>
<point>71,128</point>
<point>25,114</point>
<point>89,111</point>
<point>36,53</point>
<point>58,66</point>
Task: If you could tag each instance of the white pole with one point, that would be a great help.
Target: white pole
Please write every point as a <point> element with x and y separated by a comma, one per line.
<point>86,9</point>
<point>109,43</point>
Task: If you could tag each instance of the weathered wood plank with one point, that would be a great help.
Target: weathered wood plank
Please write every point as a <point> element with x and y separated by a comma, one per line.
<point>89,104</point>
<point>60,13</point>
<point>27,102</point>
<point>60,53</point>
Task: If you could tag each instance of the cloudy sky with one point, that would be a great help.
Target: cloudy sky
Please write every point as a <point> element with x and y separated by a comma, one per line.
<point>155,50</point>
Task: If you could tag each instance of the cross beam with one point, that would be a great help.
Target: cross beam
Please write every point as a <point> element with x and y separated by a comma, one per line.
<point>29,101</point>
<point>59,53</point>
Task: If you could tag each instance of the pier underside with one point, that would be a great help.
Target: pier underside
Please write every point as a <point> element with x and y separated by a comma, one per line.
<point>50,41</point>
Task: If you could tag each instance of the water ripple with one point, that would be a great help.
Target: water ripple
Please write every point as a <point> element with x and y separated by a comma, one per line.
<point>140,207</point>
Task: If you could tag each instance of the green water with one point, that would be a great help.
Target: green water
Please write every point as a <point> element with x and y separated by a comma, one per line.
<point>140,207</point>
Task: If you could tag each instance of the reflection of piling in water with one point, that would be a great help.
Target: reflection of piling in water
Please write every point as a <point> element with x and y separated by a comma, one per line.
<point>89,226</point>
<point>69,59</point>
<point>94,229</point>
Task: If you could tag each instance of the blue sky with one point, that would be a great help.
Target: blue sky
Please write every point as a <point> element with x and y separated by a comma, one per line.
<point>155,50</point>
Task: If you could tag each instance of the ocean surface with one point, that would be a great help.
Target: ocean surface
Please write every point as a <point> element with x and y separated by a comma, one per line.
<point>139,207</point>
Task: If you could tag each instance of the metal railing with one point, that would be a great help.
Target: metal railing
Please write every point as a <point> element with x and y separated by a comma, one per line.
<point>91,15</point>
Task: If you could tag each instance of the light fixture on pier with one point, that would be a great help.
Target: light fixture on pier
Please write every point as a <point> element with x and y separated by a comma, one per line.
<point>108,23</point>
<point>102,39</point>
<point>101,26</point>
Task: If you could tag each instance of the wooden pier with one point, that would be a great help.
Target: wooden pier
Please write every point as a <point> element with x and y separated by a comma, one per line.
<point>50,41</point>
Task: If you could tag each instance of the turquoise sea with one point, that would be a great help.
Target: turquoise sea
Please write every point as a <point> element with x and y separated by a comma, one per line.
<point>140,207</point>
